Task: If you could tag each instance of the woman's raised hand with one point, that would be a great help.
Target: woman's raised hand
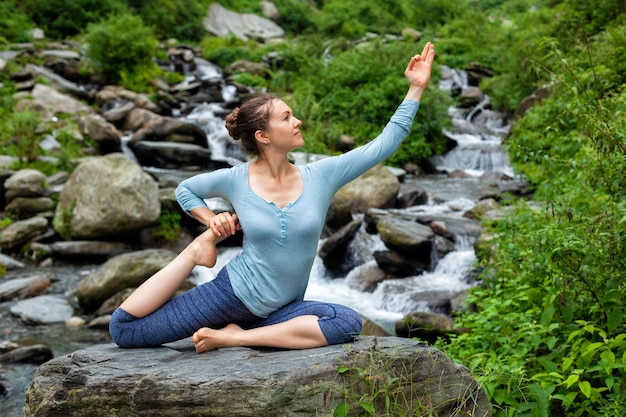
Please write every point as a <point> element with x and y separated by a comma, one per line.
<point>418,70</point>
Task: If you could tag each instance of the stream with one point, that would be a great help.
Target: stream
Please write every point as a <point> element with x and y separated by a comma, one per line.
<point>478,132</point>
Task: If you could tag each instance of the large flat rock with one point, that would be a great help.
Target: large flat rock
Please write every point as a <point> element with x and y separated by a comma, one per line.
<point>173,380</point>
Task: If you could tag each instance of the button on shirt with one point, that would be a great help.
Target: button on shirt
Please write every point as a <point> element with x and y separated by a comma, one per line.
<point>279,245</point>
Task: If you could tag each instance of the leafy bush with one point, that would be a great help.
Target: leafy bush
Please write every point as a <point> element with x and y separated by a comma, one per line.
<point>181,19</point>
<point>14,23</point>
<point>169,226</point>
<point>225,51</point>
<point>549,336</point>
<point>20,134</point>
<point>122,48</point>
<point>64,18</point>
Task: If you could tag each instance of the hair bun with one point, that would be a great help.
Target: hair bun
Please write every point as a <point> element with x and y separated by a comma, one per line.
<point>231,124</point>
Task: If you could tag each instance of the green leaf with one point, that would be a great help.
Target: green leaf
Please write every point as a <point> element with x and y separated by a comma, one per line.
<point>341,410</point>
<point>343,369</point>
<point>567,362</point>
<point>616,316</point>
<point>585,388</point>
<point>571,380</point>
<point>367,407</point>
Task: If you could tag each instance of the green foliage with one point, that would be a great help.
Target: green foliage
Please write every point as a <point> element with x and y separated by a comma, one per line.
<point>19,134</point>
<point>62,222</point>
<point>181,19</point>
<point>353,19</point>
<point>14,23</point>
<point>549,336</point>
<point>296,16</point>
<point>225,51</point>
<point>122,48</point>
<point>169,227</point>
<point>251,80</point>
<point>64,18</point>
<point>5,221</point>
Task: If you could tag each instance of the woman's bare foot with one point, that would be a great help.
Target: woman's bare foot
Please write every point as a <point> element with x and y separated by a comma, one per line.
<point>203,250</point>
<point>207,339</point>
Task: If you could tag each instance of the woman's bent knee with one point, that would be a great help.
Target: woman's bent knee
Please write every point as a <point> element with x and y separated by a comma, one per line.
<point>117,327</point>
<point>343,327</point>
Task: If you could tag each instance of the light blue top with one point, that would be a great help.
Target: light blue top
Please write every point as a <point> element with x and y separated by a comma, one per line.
<point>279,245</point>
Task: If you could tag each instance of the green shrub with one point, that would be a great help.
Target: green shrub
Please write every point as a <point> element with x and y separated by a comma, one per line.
<point>122,48</point>
<point>65,18</point>
<point>181,19</point>
<point>225,51</point>
<point>20,135</point>
<point>14,23</point>
<point>549,337</point>
<point>169,227</point>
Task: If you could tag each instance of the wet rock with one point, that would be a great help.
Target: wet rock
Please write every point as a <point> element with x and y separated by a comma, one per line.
<point>426,326</point>
<point>119,273</point>
<point>106,135</point>
<point>24,287</point>
<point>30,206</point>
<point>174,380</point>
<point>10,263</point>
<point>88,249</point>
<point>397,265</point>
<point>28,354</point>
<point>44,309</point>
<point>334,251</point>
<point>223,22</point>
<point>168,129</point>
<point>170,154</point>
<point>107,197</point>
<point>408,238</point>
<point>25,183</point>
<point>413,196</point>
<point>377,188</point>
<point>22,231</point>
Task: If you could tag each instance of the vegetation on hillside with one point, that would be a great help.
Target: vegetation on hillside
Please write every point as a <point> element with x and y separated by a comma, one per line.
<point>547,327</point>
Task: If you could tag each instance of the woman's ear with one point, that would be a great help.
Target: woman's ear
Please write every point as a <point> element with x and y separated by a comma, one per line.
<point>261,136</point>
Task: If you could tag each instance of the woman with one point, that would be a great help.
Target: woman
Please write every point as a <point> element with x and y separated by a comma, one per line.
<point>257,299</point>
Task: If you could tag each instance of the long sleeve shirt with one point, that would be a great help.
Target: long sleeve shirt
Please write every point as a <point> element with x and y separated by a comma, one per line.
<point>280,244</point>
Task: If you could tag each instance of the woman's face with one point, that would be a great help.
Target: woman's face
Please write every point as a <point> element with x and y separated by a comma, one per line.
<point>284,128</point>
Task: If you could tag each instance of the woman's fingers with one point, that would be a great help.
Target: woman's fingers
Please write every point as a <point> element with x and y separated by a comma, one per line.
<point>224,224</point>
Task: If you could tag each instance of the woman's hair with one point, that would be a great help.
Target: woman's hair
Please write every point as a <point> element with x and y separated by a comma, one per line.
<point>244,121</point>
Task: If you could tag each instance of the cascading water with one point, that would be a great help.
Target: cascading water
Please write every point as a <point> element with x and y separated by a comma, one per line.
<point>478,132</point>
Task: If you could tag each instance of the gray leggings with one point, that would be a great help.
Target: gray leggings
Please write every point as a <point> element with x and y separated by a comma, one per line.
<point>215,305</point>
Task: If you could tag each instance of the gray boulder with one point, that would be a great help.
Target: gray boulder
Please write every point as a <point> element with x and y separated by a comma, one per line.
<point>105,197</point>
<point>22,231</point>
<point>377,188</point>
<point>174,380</point>
<point>123,271</point>
<point>44,309</point>
<point>222,22</point>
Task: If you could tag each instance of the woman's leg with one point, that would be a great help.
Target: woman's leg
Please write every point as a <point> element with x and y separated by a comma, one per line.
<point>299,325</point>
<point>162,286</point>
<point>213,304</point>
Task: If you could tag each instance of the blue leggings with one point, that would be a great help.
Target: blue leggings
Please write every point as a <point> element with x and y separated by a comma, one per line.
<point>215,305</point>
